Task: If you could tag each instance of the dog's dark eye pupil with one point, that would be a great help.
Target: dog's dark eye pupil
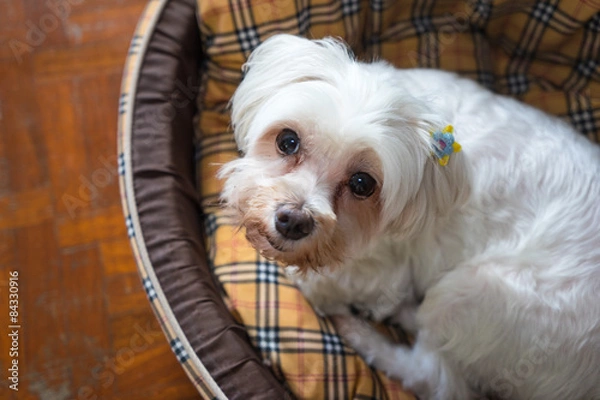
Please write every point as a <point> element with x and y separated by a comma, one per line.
<point>362,184</point>
<point>288,142</point>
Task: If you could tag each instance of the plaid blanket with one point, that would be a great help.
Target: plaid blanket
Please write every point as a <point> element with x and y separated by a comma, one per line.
<point>546,53</point>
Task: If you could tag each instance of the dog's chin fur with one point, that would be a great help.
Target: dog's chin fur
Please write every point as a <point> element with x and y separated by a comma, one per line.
<point>490,258</point>
<point>322,247</point>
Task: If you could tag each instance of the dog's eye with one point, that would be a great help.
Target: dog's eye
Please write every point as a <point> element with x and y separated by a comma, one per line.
<point>362,185</point>
<point>288,142</point>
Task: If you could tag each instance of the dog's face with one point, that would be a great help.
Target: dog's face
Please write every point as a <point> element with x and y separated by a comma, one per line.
<point>309,186</point>
<point>333,156</point>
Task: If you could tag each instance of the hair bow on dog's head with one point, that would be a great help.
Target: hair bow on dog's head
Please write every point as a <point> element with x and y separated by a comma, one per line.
<point>444,144</point>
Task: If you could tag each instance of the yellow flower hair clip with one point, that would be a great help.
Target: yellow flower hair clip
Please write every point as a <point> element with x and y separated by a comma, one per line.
<point>444,144</point>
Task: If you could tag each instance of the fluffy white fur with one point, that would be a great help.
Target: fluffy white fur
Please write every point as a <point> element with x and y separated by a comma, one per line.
<point>493,260</point>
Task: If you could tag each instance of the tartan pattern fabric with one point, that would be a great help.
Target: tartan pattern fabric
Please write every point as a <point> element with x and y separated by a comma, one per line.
<point>543,52</point>
<point>303,350</point>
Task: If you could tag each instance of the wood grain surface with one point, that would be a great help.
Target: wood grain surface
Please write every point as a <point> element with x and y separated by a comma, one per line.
<point>86,328</point>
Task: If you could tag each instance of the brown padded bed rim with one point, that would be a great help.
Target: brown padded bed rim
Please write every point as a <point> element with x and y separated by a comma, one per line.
<point>165,217</point>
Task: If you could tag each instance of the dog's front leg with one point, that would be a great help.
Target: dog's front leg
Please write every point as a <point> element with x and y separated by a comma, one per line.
<point>406,317</point>
<point>425,372</point>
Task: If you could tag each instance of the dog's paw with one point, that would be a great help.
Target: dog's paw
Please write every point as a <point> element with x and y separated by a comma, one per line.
<point>351,327</point>
<point>361,336</point>
<point>329,309</point>
<point>361,311</point>
<point>406,318</point>
<point>371,312</point>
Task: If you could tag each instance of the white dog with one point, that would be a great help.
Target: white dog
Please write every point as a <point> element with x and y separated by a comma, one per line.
<point>352,174</point>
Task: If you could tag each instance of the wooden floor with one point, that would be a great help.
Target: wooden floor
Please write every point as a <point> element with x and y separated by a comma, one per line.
<point>86,329</point>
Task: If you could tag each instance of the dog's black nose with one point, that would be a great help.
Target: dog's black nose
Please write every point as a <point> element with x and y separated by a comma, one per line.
<point>293,223</point>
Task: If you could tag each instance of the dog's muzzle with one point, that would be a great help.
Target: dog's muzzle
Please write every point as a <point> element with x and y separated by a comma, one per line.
<point>292,222</point>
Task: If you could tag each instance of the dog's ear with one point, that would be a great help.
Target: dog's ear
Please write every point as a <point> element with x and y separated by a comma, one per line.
<point>442,189</point>
<point>280,61</point>
<point>445,187</point>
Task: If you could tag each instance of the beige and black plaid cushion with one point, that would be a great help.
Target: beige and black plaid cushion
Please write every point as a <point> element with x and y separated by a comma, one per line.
<point>546,53</point>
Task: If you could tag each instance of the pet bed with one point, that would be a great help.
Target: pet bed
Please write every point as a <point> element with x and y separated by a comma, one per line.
<point>239,328</point>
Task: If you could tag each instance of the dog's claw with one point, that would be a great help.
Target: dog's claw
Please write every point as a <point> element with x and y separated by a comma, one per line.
<point>361,312</point>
